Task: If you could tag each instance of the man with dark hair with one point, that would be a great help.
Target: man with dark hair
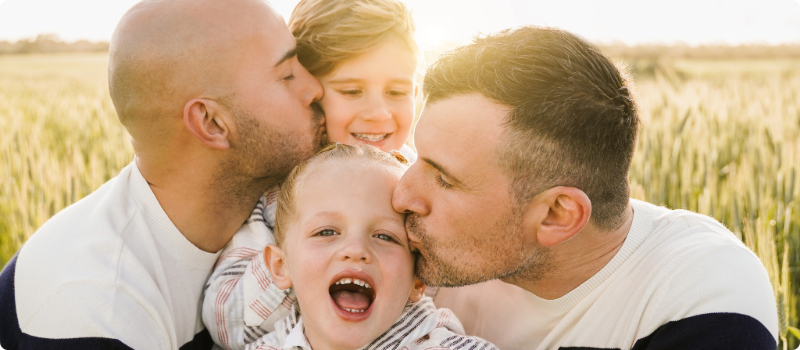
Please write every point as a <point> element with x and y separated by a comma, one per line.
<point>525,143</point>
<point>219,109</point>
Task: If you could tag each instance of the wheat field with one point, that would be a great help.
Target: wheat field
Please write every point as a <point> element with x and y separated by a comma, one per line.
<point>719,137</point>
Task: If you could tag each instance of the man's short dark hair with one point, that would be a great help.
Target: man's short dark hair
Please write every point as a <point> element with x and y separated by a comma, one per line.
<point>573,120</point>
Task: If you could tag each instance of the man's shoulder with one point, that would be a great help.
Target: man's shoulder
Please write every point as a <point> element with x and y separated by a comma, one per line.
<point>108,207</point>
<point>82,242</point>
<point>681,235</point>
<point>77,314</point>
<point>81,255</point>
<point>690,267</point>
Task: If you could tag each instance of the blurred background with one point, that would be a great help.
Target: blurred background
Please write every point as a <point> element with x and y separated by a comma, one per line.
<point>718,85</point>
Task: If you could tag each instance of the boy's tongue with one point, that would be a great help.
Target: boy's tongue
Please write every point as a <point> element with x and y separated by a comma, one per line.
<point>350,300</point>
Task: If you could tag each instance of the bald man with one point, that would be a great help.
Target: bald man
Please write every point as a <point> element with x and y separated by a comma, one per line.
<point>219,110</point>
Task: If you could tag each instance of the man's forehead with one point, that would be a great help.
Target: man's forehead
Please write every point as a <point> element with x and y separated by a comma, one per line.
<point>464,119</point>
<point>461,134</point>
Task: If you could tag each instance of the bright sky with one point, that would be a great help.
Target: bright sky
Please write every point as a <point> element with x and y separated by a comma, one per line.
<point>629,21</point>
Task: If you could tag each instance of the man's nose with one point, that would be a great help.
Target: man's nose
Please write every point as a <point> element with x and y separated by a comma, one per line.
<point>311,87</point>
<point>408,194</point>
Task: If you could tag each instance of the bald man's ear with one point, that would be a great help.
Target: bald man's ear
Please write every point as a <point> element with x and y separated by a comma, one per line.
<point>207,122</point>
<point>558,214</point>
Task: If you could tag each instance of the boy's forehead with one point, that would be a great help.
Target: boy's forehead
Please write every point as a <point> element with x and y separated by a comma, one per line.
<point>390,58</point>
<point>334,181</point>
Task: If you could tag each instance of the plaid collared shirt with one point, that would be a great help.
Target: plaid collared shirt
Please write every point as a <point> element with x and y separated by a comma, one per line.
<point>241,302</point>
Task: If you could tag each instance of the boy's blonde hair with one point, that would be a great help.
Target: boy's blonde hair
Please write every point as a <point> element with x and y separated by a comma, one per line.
<point>337,152</point>
<point>331,31</point>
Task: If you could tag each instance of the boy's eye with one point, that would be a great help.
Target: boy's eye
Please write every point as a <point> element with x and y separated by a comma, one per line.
<point>350,92</point>
<point>440,181</point>
<point>326,233</point>
<point>397,93</point>
<point>385,237</point>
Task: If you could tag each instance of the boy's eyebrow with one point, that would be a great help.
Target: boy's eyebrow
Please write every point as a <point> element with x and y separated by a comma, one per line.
<point>388,218</point>
<point>339,215</point>
<point>289,54</point>
<point>327,214</point>
<point>441,170</point>
<point>356,80</point>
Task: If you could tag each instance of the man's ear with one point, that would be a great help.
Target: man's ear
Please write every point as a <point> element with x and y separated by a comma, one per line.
<point>207,122</point>
<point>418,291</point>
<point>273,257</point>
<point>558,214</point>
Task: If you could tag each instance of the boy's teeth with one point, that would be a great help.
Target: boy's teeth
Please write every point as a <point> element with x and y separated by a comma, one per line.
<point>353,310</point>
<point>371,137</point>
<point>353,281</point>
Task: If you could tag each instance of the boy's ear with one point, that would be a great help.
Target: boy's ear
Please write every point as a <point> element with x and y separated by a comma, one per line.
<point>208,122</point>
<point>416,90</point>
<point>558,214</point>
<point>273,257</point>
<point>418,291</point>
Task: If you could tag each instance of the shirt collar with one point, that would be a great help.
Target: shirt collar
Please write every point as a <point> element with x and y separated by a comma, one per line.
<point>297,338</point>
<point>421,316</point>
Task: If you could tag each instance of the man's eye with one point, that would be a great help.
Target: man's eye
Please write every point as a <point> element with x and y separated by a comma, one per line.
<point>289,77</point>
<point>326,233</point>
<point>385,237</point>
<point>440,181</point>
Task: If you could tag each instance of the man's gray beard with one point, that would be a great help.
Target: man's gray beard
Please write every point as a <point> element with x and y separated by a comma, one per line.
<point>435,271</point>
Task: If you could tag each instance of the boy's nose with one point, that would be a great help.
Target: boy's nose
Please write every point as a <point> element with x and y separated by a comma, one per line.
<point>376,110</point>
<point>356,249</point>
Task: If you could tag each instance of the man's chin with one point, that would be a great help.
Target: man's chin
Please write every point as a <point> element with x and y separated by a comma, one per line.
<point>436,273</point>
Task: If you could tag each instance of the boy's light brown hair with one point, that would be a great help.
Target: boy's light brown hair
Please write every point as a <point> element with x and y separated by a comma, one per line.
<point>337,152</point>
<point>329,32</point>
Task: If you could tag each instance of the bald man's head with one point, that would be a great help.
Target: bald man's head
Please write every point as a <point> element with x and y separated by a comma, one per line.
<point>166,52</point>
<point>214,84</point>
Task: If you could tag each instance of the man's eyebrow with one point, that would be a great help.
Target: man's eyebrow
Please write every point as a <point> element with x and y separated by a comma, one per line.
<point>441,169</point>
<point>291,53</point>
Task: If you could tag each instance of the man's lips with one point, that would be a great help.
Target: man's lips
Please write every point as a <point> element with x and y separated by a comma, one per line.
<point>414,247</point>
<point>411,225</point>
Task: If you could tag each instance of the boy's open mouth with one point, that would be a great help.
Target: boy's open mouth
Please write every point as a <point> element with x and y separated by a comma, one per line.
<point>352,294</point>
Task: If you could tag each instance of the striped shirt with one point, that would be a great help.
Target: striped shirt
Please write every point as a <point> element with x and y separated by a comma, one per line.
<point>420,327</point>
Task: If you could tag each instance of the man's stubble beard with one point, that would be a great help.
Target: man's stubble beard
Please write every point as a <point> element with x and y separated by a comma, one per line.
<point>437,271</point>
<point>263,157</point>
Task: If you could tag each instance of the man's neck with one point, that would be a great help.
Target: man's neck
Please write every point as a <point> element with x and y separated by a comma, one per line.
<point>575,261</point>
<point>206,212</point>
